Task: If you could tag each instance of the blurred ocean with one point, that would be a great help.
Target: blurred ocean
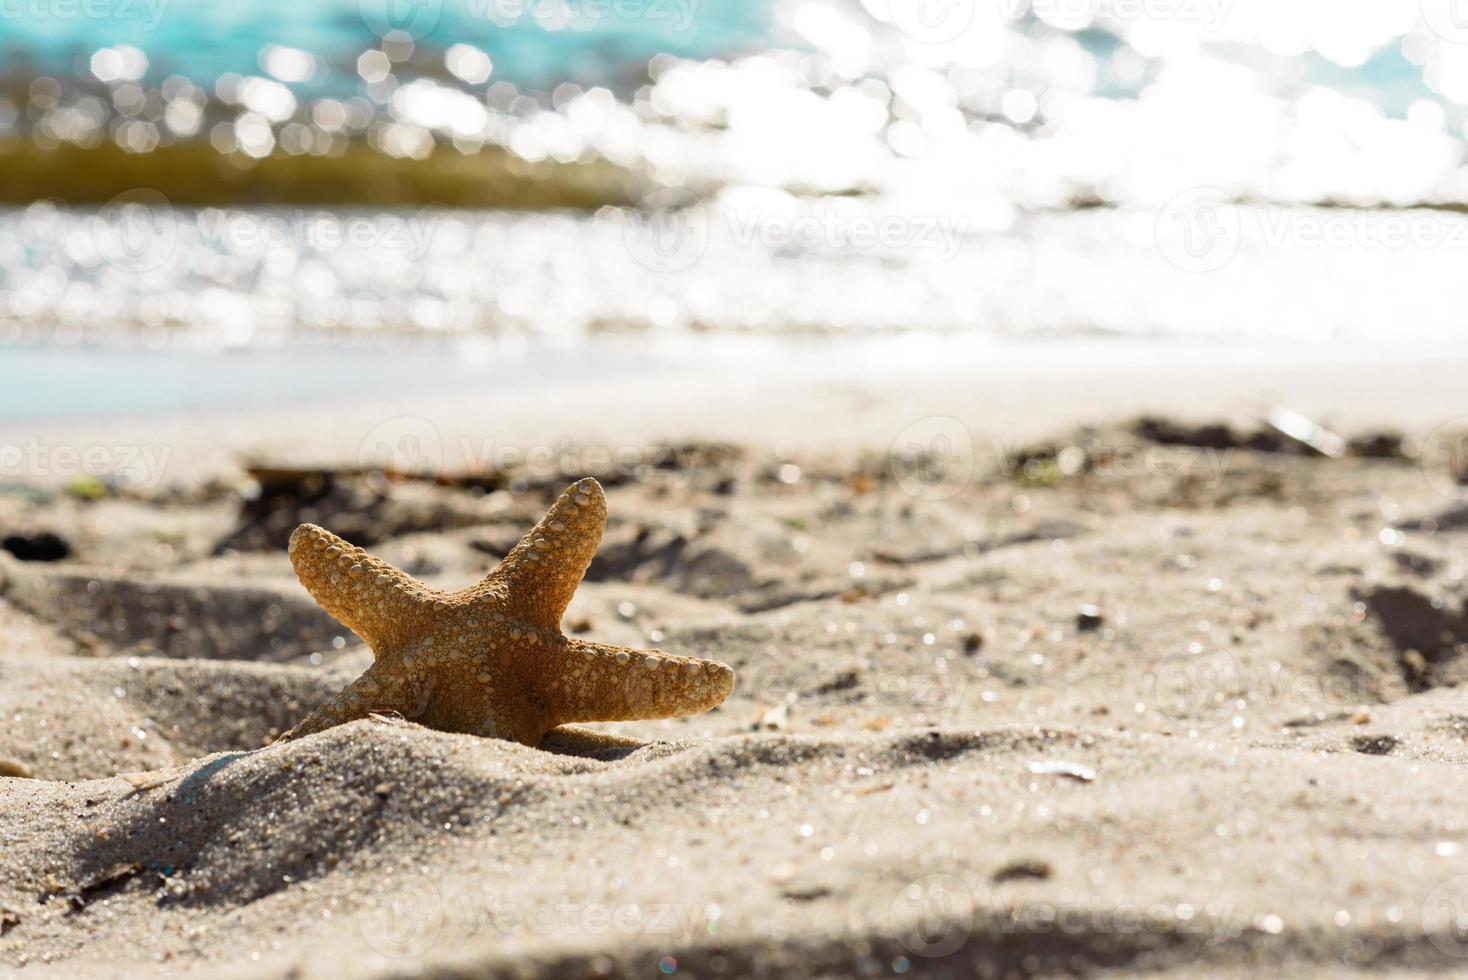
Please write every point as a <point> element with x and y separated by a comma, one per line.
<point>1010,168</point>
<point>532,43</point>
<point>538,44</point>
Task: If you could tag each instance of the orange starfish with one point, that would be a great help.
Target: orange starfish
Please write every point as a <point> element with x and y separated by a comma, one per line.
<point>491,660</point>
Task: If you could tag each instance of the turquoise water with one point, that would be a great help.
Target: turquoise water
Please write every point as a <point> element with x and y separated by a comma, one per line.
<point>533,43</point>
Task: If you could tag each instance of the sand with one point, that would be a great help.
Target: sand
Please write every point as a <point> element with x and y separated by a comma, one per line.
<point>1115,697</point>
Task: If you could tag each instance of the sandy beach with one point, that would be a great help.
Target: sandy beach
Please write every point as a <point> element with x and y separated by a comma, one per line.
<point>1017,454</point>
<point>1162,690</point>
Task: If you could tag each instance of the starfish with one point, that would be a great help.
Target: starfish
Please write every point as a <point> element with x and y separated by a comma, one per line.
<point>492,660</point>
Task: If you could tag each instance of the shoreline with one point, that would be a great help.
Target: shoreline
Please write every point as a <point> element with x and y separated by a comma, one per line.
<point>317,405</point>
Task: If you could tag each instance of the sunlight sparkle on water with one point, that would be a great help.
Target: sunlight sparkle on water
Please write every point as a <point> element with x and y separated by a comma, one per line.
<point>957,163</point>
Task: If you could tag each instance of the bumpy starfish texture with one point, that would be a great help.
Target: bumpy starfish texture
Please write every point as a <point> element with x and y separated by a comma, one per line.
<point>491,660</point>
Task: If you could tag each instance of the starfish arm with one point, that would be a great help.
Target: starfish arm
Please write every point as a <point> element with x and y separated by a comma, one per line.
<point>540,574</point>
<point>374,692</point>
<point>381,604</point>
<point>596,682</point>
